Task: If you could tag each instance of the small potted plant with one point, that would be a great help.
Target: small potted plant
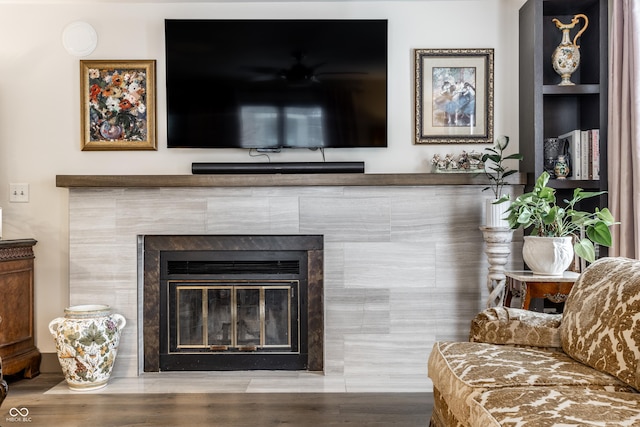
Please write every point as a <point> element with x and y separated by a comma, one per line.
<point>497,172</point>
<point>549,250</point>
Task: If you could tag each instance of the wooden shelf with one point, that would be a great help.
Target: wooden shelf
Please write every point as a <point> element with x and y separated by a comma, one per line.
<point>277,180</point>
<point>585,184</point>
<point>589,89</point>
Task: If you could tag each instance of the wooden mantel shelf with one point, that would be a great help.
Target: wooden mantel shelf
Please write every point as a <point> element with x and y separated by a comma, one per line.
<point>276,180</point>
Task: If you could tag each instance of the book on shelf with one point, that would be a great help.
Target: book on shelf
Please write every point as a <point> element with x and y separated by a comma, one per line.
<point>584,151</point>
<point>595,151</point>
<point>584,154</point>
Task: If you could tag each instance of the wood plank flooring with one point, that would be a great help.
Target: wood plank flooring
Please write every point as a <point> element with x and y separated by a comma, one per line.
<point>209,409</point>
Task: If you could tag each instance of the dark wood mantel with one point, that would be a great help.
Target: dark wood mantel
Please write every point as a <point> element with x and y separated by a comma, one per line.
<point>277,180</point>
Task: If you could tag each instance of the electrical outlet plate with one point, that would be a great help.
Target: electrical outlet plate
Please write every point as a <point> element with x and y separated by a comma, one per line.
<point>19,193</point>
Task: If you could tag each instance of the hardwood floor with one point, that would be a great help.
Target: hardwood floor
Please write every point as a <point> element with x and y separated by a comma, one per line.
<point>208,409</point>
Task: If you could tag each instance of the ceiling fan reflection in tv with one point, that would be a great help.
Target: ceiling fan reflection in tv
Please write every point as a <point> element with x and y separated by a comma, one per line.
<point>299,72</point>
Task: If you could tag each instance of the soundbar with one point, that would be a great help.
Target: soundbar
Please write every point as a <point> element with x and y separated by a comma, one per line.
<point>266,168</point>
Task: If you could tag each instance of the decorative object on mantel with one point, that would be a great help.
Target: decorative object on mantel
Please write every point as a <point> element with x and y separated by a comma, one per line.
<point>566,57</point>
<point>464,162</point>
<point>453,96</point>
<point>497,172</point>
<point>118,105</point>
<point>87,340</point>
<point>538,209</point>
<point>498,248</point>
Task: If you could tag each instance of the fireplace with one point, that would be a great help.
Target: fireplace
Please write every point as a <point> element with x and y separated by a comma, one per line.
<point>229,310</point>
<point>223,302</point>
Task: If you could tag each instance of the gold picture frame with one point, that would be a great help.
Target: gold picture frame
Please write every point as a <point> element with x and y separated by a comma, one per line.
<point>453,96</point>
<point>118,105</point>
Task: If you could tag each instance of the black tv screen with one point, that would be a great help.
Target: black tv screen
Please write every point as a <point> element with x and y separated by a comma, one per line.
<point>271,84</point>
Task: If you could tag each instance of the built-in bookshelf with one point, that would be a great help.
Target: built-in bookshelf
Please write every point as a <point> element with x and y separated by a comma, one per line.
<point>551,111</point>
<point>548,110</point>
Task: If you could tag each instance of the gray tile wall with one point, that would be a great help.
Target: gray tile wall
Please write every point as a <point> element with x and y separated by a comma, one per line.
<point>404,266</point>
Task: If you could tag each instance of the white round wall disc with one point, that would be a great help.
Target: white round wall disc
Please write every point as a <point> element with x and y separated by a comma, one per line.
<point>79,38</point>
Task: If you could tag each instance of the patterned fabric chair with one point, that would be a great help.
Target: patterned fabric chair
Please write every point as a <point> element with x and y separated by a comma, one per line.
<point>522,368</point>
<point>3,386</point>
<point>4,389</point>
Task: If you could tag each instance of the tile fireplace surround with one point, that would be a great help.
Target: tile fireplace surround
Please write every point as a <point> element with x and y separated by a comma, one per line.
<point>403,254</point>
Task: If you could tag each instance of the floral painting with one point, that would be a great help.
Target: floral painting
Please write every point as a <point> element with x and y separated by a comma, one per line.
<point>118,105</point>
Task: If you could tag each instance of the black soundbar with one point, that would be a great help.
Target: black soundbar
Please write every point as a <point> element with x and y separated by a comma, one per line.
<point>266,168</point>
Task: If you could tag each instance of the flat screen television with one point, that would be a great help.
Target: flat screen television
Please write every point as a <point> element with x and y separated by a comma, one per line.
<point>272,84</point>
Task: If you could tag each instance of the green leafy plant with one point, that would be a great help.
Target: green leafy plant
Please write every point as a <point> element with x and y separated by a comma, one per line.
<point>498,169</point>
<point>538,209</point>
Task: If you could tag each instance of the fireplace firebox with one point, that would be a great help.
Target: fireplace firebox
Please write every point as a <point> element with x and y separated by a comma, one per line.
<point>232,302</point>
<point>239,307</point>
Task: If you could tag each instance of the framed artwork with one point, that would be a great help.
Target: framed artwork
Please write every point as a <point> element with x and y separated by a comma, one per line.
<point>453,96</point>
<point>118,105</point>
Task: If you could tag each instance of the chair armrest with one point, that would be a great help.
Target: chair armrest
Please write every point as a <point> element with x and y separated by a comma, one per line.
<point>3,386</point>
<point>507,325</point>
<point>4,389</point>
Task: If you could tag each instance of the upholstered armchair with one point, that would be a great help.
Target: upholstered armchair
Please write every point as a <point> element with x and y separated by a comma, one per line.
<point>527,369</point>
<point>4,389</point>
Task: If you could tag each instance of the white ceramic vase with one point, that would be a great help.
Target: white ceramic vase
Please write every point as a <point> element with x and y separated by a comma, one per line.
<point>495,213</point>
<point>548,256</point>
<point>87,340</point>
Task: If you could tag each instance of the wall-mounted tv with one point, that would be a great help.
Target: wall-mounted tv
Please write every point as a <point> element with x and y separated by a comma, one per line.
<point>271,84</point>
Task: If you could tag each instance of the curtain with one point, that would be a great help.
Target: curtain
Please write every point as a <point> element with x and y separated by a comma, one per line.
<point>624,127</point>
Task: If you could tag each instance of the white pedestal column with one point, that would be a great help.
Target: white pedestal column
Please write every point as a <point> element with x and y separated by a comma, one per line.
<point>498,249</point>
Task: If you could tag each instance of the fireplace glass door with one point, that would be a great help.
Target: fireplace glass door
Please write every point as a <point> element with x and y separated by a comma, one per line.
<point>221,317</point>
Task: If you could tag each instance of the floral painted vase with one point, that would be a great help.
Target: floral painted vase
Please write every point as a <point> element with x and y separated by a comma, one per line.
<point>566,57</point>
<point>87,340</point>
<point>561,168</point>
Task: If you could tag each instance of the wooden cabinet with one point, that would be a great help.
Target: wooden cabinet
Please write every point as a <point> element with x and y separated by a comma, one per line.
<point>548,110</point>
<point>17,344</point>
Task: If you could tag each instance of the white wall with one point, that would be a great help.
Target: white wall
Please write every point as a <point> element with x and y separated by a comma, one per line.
<point>40,111</point>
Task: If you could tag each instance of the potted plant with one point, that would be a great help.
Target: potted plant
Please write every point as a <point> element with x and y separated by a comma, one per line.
<point>497,173</point>
<point>555,228</point>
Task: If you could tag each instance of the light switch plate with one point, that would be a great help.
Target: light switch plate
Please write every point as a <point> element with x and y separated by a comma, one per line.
<point>19,193</point>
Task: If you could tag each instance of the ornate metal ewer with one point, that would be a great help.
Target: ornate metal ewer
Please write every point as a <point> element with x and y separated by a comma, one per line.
<point>566,57</point>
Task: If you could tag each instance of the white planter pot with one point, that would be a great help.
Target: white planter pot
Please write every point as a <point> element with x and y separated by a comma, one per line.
<point>548,256</point>
<point>495,214</point>
<point>87,340</point>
